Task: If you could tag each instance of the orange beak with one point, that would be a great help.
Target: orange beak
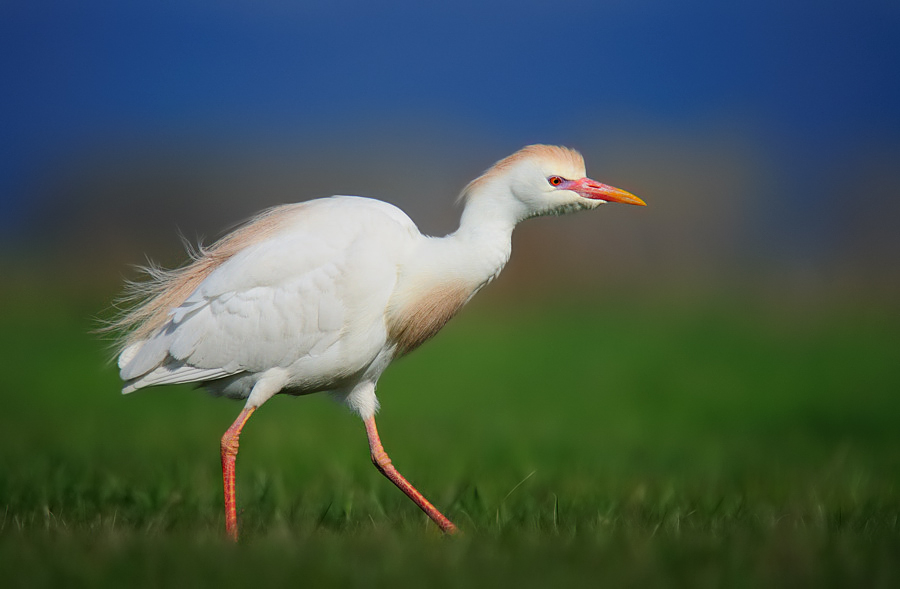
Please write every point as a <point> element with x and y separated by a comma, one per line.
<point>596,191</point>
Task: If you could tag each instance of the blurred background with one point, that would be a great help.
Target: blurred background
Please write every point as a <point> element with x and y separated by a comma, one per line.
<point>765,136</point>
<point>704,388</point>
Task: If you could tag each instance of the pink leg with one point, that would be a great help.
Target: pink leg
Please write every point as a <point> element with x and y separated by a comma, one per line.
<point>229,455</point>
<point>383,463</point>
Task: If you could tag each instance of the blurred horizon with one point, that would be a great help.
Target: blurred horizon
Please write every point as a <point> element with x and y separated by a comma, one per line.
<point>765,137</point>
<point>698,392</point>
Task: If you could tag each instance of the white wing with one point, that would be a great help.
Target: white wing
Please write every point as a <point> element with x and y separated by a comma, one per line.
<point>310,300</point>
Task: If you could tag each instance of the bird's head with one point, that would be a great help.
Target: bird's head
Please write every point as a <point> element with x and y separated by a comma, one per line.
<point>545,180</point>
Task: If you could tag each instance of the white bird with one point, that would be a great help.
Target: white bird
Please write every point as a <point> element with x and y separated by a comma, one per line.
<point>322,295</point>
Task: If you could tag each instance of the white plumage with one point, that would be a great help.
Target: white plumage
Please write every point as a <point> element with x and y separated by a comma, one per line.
<point>303,308</point>
<point>322,295</point>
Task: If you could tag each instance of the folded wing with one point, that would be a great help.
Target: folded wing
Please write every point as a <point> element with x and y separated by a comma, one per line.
<point>309,299</point>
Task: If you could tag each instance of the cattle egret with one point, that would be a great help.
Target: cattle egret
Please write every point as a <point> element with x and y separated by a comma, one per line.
<point>322,295</point>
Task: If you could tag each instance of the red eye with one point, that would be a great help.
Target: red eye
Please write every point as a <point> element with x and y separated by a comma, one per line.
<point>555,180</point>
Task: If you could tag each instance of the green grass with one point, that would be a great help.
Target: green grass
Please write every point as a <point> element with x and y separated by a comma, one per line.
<point>705,443</point>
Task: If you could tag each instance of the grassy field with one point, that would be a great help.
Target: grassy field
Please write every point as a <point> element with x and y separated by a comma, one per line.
<point>699,443</point>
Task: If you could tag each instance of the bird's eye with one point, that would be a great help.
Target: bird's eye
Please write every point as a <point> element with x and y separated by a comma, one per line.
<point>555,180</point>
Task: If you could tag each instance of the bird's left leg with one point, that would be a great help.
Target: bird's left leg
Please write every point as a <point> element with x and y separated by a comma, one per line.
<point>383,463</point>
<point>229,455</point>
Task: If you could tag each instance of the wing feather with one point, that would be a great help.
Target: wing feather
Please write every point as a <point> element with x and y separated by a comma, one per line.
<point>294,295</point>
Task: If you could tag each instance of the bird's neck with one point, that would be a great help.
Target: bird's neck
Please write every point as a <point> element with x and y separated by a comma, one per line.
<point>483,241</point>
<point>444,273</point>
<point>470,257</point>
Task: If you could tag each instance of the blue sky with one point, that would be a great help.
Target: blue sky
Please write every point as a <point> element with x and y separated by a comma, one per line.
<point>814,80</point>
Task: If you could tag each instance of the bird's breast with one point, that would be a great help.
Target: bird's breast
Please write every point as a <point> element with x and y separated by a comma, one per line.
<point>414,319</point>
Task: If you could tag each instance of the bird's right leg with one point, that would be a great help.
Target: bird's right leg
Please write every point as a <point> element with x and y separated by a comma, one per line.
<point>229,455</point>
<point>383,463</point>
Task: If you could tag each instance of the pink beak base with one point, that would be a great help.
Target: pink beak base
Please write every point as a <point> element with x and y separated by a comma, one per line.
<point>596,191</point>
